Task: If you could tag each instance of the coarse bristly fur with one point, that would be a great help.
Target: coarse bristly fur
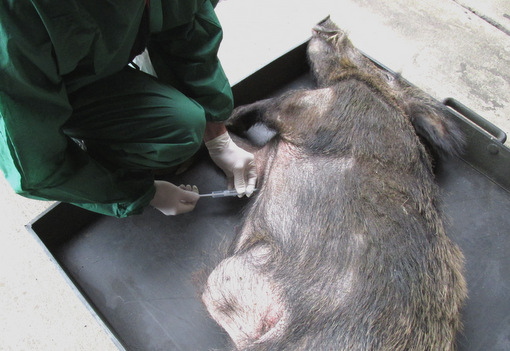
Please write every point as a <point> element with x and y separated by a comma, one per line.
<point>344,247</point>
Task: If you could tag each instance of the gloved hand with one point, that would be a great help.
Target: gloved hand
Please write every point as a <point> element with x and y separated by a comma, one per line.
<point>173,200</point>
<point>238,164</point>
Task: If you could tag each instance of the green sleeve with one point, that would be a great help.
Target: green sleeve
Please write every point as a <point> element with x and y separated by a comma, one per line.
<point>37,159</point>
<point>186,57</point>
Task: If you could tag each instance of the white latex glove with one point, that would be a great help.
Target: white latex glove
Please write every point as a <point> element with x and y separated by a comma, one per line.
<point>238,164</point>
<point>173,200</point>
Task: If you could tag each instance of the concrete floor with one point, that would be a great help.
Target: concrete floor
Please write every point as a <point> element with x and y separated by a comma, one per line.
<point>449,48</point>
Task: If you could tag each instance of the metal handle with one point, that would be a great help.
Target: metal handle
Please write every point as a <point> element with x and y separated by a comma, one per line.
<point>476,119</point>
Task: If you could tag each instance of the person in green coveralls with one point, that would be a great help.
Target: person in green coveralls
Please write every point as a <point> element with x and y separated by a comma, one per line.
<point>78,124</point>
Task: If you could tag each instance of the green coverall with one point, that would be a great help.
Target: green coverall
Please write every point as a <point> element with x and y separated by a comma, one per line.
<point>64,76</point>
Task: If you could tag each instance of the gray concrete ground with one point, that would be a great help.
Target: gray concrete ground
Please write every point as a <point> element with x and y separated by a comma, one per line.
<point>449,48</point>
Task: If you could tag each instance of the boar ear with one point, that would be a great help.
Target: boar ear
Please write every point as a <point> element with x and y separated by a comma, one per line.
<point>245,116</point>
<point>440,133</point>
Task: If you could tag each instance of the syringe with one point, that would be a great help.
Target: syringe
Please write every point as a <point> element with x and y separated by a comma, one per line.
<point>223,193</point>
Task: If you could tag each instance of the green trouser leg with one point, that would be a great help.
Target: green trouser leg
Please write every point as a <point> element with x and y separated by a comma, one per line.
<point>131,121</point>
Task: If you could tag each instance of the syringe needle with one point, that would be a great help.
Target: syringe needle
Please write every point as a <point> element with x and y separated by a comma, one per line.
<point>222,193</point>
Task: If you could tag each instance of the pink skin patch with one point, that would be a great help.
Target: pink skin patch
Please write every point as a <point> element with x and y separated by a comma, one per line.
<point>244,301</point>
<point>272,325</point>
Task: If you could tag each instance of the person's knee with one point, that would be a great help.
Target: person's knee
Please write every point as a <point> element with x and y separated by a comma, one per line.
<point>189,122</point>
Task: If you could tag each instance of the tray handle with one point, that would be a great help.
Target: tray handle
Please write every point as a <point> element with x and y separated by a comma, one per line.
<point>476,119</point>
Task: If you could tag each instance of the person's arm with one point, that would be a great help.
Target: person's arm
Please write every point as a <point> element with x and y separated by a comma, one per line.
<point>214,130</point>
<point>37,159</point>
<point>186,57</point>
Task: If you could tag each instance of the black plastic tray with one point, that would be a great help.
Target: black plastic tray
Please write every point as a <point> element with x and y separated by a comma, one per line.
<point>138,275</point>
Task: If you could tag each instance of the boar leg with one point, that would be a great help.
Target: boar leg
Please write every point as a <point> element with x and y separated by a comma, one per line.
<point>244,301</point>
